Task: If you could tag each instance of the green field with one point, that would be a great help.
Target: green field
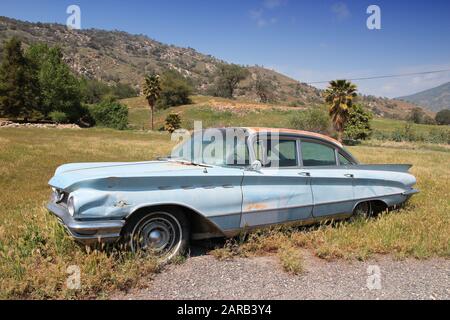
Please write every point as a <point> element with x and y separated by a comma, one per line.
<point>210,111</point>
<point>242,113</point>
<point>35,251</point>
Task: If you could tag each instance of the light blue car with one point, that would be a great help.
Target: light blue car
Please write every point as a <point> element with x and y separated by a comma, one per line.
<point>260,178</point>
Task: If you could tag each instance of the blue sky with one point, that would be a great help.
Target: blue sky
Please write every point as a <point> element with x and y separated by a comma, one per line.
<point>307,40</point>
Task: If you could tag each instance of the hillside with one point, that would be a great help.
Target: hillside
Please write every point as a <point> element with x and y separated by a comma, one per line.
<point>434,99</point>
<point>115,56</point>
<point>220,112</point>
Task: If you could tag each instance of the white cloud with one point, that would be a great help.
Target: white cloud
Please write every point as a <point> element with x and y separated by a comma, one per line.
<point>260,15</point>
<point>257,16</point>
<point>341,11</point>
<point>271,4</point>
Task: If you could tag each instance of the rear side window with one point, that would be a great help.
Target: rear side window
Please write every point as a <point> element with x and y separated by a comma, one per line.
<point>316,154</point>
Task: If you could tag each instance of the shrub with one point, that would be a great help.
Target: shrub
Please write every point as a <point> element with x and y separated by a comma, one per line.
<point>175,90</point>
<point>443,117</point>
<point>59,117</point>
<point>418,116</point>
<point>314,119</point>
<point>358,124</point>
<point>173,122</point>
<point>111,114</point>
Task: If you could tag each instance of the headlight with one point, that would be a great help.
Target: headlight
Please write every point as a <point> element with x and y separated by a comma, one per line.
<point>71,206</point>
<point>57,195</point>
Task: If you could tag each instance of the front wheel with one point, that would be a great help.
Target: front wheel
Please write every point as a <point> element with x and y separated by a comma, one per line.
<point>162,233</point>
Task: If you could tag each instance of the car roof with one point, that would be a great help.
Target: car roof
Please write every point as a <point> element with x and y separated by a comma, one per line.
<point>303,133</point>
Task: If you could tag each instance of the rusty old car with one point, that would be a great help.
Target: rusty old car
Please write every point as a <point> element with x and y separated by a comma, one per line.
<point>259,177</point>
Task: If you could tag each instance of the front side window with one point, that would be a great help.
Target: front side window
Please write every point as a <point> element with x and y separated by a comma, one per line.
<point>277,153</point>
<point>214,147</point>
<point>316,154</point>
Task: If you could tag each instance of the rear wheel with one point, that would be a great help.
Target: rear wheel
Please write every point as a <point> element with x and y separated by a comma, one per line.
<point>162,233</point>
<point>362,210</point>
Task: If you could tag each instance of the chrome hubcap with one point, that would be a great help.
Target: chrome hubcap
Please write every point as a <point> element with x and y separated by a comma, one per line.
<point>157,234</point>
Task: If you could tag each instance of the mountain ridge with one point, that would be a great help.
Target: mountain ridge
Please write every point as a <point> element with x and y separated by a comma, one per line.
<point>118,56</point>
<point>434,99</point>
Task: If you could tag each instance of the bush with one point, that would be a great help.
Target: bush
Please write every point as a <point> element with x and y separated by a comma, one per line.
<point>59,117</point>
<point>358,124</point>
<point>175,90</point>
<point>111,114</point>
<point>418,116</point>
<point>443,117</point>
<point>314,119</point>
<point>173,122</point>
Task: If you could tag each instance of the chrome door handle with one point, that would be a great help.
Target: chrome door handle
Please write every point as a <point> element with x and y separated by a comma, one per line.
<point>349,175</point>
<point>305,174</point>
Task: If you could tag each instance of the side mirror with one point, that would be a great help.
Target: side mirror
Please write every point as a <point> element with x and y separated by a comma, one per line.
<point>256,165</point>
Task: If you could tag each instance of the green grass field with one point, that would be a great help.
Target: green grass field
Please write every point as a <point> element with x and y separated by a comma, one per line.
<point>35,251</point>
<point>241,113</point>
<point>213,112</point>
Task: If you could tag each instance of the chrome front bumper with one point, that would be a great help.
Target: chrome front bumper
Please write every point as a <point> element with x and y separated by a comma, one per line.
<point>87,232</point>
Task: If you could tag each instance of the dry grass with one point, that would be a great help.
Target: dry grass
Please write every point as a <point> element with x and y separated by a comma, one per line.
<point>420,230</point>
<point>291,259</point>
<point>35,251</point>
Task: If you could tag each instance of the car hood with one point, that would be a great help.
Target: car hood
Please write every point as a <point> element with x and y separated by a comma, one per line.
<point>70,174</point>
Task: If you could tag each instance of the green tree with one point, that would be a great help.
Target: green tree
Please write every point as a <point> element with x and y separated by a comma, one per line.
<point>227,79</point>
<point>152,91</point>
<point>175,90</point>
<point>94,91</point>
<point>19,87</point>
<point>264,89</point>
<point>418,116</point>
<point>60,89</point>
<point>443,117</point>
<point>110,113</point>
<point>358,124</point>
<point>339,96</point>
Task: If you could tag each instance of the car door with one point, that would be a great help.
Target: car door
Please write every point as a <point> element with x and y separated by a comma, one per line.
<point>277,193</point>
<point>331,184</point>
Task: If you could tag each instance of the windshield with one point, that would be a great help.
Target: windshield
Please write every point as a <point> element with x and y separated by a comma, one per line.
<point>218,147</point>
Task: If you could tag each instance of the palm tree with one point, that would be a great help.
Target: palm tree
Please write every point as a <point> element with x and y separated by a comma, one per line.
<point>339,95</point>
<point>152,90</point>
